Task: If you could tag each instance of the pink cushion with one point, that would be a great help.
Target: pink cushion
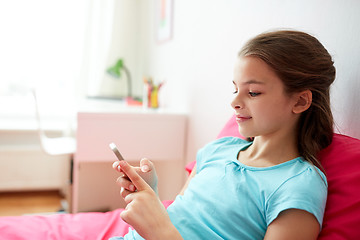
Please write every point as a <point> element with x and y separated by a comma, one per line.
<point>230,129</point>
<point>341,161</point>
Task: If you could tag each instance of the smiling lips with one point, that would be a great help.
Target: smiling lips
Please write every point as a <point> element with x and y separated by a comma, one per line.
<point>240,118</point>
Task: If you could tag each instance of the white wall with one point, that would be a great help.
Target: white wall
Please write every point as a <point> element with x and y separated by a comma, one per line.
<point>198,62</point>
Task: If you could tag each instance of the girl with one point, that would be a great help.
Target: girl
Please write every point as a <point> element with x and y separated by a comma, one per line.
<point>269,187</point>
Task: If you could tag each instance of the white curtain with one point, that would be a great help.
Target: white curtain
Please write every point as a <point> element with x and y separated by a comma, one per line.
<point>97,44</point>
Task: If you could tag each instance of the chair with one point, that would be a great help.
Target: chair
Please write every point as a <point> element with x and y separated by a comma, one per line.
<point>56,146</point>
<point>53,146</point>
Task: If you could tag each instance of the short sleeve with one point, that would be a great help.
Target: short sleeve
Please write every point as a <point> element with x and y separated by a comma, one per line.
<point>199,160</point>
<point>306,191</point>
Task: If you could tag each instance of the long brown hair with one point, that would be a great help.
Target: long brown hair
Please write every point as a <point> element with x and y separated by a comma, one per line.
<point>302,63</point>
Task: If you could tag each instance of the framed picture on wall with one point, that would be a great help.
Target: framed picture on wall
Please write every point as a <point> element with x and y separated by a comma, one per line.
<point>164,20</point>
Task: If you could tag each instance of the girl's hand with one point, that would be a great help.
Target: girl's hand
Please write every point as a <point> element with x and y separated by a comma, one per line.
<point>146,171</point>
<point>144,210</point>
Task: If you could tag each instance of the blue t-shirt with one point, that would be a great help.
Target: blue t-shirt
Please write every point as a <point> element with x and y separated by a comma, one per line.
<point>229,200</point>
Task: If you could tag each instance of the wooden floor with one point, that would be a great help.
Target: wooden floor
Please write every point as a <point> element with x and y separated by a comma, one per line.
<point>20,203</point>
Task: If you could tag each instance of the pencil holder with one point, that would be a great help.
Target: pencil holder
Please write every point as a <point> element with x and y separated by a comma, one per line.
<point>152,93</point>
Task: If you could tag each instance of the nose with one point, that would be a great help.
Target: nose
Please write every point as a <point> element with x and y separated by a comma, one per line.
<point>237,103</point>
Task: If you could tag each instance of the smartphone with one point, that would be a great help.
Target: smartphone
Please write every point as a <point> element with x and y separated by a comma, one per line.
<point>116,151</point>
<point>119,156</point>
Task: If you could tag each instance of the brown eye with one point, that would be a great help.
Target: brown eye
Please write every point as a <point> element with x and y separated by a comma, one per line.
<point>235,88</point>
<point>254,94</point>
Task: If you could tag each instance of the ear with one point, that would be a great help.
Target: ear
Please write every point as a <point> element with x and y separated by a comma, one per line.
<point>303,101</point>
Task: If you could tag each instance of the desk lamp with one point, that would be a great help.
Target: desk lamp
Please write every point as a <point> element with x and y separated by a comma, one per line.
<point>115,71</point>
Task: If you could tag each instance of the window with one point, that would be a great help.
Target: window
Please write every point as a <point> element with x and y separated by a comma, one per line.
<point>50,46</point>
<point>42,44</point>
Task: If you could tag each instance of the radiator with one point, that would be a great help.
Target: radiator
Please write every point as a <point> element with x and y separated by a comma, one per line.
<point>24,166</point>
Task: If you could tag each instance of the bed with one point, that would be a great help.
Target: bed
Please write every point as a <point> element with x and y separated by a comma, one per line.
<point>341,161</point>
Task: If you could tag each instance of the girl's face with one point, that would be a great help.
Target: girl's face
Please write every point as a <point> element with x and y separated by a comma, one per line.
<point>261,105</point>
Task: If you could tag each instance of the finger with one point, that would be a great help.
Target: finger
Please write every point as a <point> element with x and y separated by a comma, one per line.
<point>146,165</point>
<point>125,216</point>
<point>116,166</point>
<point>124,182</point>
<point>124,193</point>
<point>134,177</point>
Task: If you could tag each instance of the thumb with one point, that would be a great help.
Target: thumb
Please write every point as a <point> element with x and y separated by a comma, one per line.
<point>146,165</point>
<point>134,177</point>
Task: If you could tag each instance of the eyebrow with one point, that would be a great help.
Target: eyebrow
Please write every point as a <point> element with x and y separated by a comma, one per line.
<point>252,81</point>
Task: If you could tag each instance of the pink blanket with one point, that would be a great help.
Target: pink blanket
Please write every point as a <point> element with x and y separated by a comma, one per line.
<point>80,226</point>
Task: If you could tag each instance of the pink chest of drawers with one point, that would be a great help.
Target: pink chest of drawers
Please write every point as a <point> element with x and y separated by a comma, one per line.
<point>157,136</point>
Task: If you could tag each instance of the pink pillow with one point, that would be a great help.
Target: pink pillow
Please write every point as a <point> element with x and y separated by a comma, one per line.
<point>230,129</point>
<point>341,161</point>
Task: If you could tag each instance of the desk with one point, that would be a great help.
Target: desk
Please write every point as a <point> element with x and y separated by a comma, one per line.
<point>159,136</point>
